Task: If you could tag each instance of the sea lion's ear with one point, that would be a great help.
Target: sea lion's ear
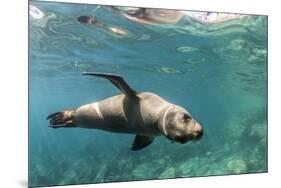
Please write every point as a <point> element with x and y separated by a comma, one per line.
<point>116,80</point>
<point>141,142</point>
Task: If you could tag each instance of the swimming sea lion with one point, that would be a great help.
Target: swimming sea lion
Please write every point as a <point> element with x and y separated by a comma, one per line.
<point>96,22</point>
<point>144,114</point>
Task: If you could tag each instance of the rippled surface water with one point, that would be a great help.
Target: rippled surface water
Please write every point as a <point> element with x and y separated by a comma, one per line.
<point>218,72</point>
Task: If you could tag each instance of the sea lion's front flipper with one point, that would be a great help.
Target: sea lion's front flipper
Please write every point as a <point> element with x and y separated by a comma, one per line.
<point>117,80</point>
<point>141,142</point>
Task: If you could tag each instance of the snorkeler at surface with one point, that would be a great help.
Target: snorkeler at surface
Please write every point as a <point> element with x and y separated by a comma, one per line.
<point>164,16</point>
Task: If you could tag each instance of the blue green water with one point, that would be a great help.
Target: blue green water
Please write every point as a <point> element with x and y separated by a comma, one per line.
<point>217,72</point>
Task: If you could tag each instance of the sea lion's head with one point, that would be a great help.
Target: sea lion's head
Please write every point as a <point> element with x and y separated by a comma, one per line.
<point>89,20</point>
<point>179,126</point>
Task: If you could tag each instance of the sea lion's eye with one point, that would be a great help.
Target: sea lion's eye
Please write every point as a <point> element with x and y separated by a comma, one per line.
<point>186,117</point>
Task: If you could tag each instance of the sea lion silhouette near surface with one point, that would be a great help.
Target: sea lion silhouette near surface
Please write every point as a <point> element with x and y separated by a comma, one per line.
<point>144,114</point>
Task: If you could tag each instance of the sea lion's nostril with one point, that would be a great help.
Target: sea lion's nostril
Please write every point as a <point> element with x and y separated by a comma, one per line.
<point>200,133</point>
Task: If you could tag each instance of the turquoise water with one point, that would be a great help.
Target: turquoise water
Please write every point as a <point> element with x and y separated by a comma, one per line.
<point>217,72</point>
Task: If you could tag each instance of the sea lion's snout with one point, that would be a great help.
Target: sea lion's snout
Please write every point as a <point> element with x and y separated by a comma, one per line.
<point>198,131</point>
<point>194,131</point>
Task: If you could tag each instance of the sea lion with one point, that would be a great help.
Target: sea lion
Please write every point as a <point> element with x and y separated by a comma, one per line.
<point>96,22</point>
<point>144,114</point>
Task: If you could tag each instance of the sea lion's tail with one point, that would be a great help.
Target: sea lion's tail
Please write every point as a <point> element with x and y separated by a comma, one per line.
<point>61,119</point>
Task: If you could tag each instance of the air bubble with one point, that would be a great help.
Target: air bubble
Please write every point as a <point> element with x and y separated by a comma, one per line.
<point>169,70</point>
<point>186,49</point>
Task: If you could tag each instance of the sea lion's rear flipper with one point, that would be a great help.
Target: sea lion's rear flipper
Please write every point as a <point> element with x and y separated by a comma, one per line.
<point>61,119</point>
<point>116,80</point>
<point>141,142</point>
